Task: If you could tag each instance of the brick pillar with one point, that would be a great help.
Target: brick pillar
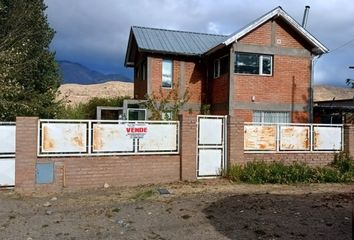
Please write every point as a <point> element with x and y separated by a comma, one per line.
<point>349,139</point>
<point>235,140</point>
<point>26,154</point>
<point>188,147</point>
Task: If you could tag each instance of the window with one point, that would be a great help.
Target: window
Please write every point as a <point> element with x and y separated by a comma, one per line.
<point>136,114</point>
<point>144,71</point>
<point>221,66</point>
<point>271,117</point>
<point>167,73</point>
<point>252,63</point>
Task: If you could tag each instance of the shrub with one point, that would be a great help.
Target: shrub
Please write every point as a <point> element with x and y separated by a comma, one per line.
<point>88,110</point>
<point>258,172</point>
<point>343,162</point>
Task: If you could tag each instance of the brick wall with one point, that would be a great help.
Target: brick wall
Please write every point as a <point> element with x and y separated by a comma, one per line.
<point>220,89</point>
<point>259,36</point>
<point>290,80</point>
<point>237,155</point>
<point>192,74</point>
<point>95,171</point>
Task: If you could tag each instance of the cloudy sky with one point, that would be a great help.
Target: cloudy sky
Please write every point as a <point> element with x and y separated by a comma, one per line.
<point>95,32</point>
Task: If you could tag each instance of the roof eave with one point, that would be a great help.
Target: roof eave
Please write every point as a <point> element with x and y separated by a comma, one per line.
<point>279,12</point>
<point>214,49</point>
<point>168,52</point>
<point>128,52</point>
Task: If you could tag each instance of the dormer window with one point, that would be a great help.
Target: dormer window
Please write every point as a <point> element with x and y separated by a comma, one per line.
<point>253,63</point>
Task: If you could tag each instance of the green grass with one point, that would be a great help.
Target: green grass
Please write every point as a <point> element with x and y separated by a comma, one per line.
<point>341,170</point>
<point>143,195</point>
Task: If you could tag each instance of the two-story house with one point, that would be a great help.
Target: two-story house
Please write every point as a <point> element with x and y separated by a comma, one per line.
<point>262,73</point>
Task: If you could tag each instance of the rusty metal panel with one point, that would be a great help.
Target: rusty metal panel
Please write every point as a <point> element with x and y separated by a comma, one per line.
<point>111,138</point>
<point>159,137</point>
<point>64,137</point>
<point>327,138</point>
<point>294,138</point>
<point>260,138</point>
<point>7,139</point>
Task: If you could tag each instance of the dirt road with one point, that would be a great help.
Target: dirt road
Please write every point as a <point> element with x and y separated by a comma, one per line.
<point>201,210</point>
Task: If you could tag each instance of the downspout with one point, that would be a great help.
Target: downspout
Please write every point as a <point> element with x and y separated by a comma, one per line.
<point>313,61</point>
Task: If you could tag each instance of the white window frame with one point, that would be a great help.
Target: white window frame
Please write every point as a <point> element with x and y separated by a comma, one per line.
<point>162,73</point>
<point>260,63</point>
<point>261,57</point>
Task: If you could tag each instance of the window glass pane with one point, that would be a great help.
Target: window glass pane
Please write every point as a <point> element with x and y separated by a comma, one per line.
<point>144,70</point>
<point>224,65</point>
<point>216,68</point>
<point>257,116</point>
<point>167,73</point>
<point>247,63</point>
<point>271,117</point>
<point>136,114</point>
<point>267,65</point>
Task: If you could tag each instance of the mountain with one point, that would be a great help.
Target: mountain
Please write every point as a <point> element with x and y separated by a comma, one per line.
<point>77,73</point>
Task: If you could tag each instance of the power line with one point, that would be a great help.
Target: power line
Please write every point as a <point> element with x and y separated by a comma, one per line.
<point>343,45</point>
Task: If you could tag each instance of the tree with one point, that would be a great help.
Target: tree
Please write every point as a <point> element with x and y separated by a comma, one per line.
<point>29,74</point>
<point>166,106</point>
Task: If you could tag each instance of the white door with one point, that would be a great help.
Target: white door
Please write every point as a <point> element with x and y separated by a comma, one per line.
<point>211,142</point>
<point>7,172</point>
<point>7,153</point>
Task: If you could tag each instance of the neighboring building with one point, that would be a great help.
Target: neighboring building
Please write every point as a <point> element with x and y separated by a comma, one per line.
<point>262,73</point>
<point>333,104</point>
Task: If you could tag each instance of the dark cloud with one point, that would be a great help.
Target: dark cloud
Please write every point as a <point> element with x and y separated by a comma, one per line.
<point>95,33</point>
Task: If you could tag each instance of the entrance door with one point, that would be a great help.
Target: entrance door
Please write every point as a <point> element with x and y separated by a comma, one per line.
<point>211,145</point>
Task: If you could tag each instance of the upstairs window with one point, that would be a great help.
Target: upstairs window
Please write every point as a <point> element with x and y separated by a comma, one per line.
<point>144,71</point>
<point>167,73</point>
<point>252,63</point>
<point>221,66</point>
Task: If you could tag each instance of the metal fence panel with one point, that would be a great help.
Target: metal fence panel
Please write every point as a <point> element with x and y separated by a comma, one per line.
<point>327,138</point>
<point>159,137</point>
<point>262,138</point>
<point>64,137</point>
<point>7,139</point>
<point>111,138</point>
<point>291,137</point>
<point>107,137</point>
<point>294,138</point>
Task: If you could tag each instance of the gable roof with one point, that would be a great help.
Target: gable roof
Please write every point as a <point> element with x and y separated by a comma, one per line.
<point>172,41</point>
<point>319,48</point>
<point>197,44</point>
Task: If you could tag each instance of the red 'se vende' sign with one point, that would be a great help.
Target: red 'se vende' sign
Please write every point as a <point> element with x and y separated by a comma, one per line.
<point>136,131</point>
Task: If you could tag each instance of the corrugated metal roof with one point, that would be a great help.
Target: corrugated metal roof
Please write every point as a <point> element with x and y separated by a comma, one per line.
<point>172,41</point>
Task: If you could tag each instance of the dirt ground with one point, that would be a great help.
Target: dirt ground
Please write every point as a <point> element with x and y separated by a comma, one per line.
<point>211,209</point>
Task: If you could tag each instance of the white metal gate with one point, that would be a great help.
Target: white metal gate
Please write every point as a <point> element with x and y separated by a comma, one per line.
<point>211,145</point>
<point>7,153</point>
